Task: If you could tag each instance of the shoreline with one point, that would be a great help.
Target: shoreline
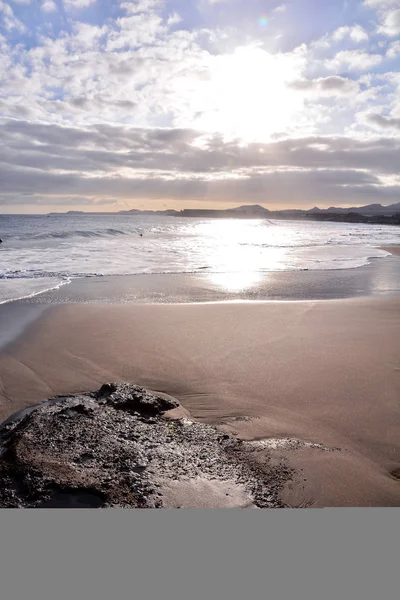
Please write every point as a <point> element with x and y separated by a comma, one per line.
<point>381,278</point>
<point>314,372</point>
<point>378,277</point>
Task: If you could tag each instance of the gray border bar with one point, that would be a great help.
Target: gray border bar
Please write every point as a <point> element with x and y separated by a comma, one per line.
<point>326,554</point>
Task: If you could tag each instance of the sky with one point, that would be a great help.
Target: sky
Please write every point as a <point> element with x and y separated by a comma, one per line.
<point>113,104</point>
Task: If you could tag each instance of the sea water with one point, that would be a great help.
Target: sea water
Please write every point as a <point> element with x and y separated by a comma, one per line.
<point>40,253</point>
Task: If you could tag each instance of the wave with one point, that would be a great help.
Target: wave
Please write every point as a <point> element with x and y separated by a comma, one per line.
<point>205,270</point>
<point>10,275</point>
<point>24,294</point>
<point>82,233</point>
<point>319,244</point>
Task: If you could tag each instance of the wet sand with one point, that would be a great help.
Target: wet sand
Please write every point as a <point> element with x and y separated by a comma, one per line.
<point>322,378</point>
<point>395,250</point>
<point>380,278</point>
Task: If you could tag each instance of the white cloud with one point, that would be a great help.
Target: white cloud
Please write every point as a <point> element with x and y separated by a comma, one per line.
<point>354,60</point>
<point>134,7</point>
<point>78,3</point>
<point>130,94</point>
<point>380,4</point>
<point>136,30</point>
<point>174,19</point>
<point>390,23</point>
<point>393,50</point>
<point>86,36</point>
<point>49,6</point>
<point>9,19</point>
<point>355,33</point>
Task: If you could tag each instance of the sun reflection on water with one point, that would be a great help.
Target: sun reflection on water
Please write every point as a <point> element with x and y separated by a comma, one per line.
<point>239,281</point>
<point>239,253</point>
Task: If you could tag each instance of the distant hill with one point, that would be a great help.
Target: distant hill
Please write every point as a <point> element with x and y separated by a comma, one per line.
<point>246,211</point>
<point>135,211</point>
<point>371,213</point>
<point>249,209</point>
<point>369,209</point>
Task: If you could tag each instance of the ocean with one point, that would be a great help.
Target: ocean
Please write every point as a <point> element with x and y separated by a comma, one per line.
<point>43,253</point>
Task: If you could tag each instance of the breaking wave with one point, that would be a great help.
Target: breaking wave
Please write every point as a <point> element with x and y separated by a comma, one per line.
<point>78,233</point>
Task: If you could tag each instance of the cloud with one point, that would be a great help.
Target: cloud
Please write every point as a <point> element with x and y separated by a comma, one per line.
<point>382,121</point>
<point>390,25</point>
<point>380,4</point>
<point>388,14</point>
<point>327,86</point>
<point>354,60</point>
<point>393,50</point>
<point>10,21</point>
<point>136,30</point>
<point>280,187</point>
<point>356,33</point>
<point>78,3</point>
<point>127,105</point>
<point>49,6</point>
<point>141,6</point>
<point>174,19</point>
<point>125,162</point>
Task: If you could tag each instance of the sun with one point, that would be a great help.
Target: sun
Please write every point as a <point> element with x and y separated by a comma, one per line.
<point>247,95</point>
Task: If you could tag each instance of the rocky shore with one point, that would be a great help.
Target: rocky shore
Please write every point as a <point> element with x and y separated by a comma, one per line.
<point>123,446</point>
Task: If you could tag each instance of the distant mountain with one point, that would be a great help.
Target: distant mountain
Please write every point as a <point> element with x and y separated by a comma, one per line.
<point>249,209</point>
<point>362,214</point>
<point>254,211</point>
<point>370,209</point>
<point>70,212</point>
<point>135,211</point>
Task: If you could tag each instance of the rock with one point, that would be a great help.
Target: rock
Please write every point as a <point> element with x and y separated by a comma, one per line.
<point>132,398</point>
<point>106,390</point>
<point>117,447</point>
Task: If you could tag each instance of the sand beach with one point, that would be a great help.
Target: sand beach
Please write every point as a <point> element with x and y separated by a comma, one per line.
<point>313,383</point>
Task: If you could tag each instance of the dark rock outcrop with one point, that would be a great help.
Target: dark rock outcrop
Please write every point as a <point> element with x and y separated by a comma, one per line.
<point>117,447</point>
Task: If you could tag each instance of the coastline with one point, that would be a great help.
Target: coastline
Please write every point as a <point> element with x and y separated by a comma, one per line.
<point>380,278</point>
<point>312,371</point>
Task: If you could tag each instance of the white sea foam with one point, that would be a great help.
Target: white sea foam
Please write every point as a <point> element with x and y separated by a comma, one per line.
<point>18,289</point>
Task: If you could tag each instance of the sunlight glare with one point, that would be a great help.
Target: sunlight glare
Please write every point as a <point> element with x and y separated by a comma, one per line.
<point>236,282</point>
<point>237,252</point>
<point>247,95</point>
